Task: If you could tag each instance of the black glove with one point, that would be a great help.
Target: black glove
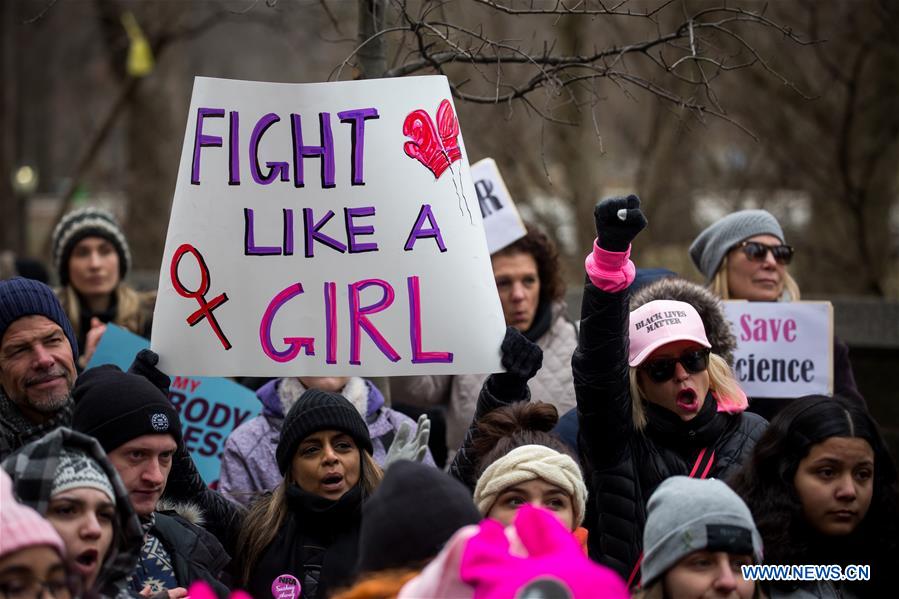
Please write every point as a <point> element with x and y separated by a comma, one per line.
<point>522,358</point>
<point>144,364</point>
<point>615,234</point>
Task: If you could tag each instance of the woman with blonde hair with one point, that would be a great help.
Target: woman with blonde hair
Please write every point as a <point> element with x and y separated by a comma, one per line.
<point>744,256</point>
<point>92,258</point>
<point>653,400</point>
<point>306,532</point>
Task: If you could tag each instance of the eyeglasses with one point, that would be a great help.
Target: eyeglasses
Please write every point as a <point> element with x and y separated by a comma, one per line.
<point>32,588</point>
<point>757,252</point>
<point>662,369</point>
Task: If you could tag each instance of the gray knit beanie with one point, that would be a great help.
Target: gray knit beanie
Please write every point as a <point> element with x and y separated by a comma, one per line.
<point>688,514</point>
<point>710,246</point>
<point>77,470</point>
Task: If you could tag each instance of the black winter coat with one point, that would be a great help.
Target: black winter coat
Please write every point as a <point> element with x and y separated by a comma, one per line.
<point>196,554</point>
<point>623,465</point>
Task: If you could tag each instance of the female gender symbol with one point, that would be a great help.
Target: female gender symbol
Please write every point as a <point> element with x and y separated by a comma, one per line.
<point>206,307</point>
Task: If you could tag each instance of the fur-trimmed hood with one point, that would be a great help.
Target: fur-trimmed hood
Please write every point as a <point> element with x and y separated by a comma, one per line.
<point>32,470</point>
<point>717,327</point>
<point>191,512</point>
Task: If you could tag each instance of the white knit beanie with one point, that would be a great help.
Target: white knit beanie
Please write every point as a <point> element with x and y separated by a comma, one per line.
<point>530,462</point>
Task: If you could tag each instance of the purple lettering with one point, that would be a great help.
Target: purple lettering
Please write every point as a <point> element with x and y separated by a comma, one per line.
<point>359,319</point>
<point>276,169</point>
<point>300,151</point>
<point>357,135</point>
<point>249,238</point>
<point>353,229</point>
<point>313,234</point>
<point>419,356</point>
<point>418,230</point>
<point>202,140</point>
<point>295,344</point>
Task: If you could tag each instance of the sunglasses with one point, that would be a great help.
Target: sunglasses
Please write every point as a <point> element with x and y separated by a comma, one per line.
<point>662,369</point>
<point>757,252</point>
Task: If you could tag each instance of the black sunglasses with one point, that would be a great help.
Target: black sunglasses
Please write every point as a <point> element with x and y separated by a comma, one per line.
<point>757,252</point>
<point>662,369</point>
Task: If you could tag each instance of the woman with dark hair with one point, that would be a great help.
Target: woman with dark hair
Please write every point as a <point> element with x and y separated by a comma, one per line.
<point>822,489</point>
<point>653,400</point>
<point>528,275</point>
<point>306,532</point>
<point>67,478</point>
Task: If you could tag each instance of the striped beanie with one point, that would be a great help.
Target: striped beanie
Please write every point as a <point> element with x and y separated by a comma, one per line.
<point>84,222</point>
<point>20,297</point>
<point>78,470</point>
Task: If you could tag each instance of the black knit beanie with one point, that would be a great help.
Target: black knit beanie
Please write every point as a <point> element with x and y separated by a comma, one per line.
<point>115,407</point>
<point>87,222</point>
<point>411,515</point>
<point>315,411</point>
<point>21,297</point>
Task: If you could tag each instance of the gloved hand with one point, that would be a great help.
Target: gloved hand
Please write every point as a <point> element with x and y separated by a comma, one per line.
<point>144,364</point>
<point>406,447</point>
<point>522,358</point>
<point>613,233</point>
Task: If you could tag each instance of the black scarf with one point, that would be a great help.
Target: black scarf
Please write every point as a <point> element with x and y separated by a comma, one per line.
<point>318,544</point>
<point>667,428</point>
<point>85,314</point>
<point>542,321</point>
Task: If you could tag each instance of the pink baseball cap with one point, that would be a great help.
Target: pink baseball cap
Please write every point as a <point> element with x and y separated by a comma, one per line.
<point>659,323</point>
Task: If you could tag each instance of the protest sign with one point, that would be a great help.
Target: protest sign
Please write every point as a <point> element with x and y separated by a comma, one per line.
<point>210,408</point>
<point>325,229</point>
<point>784,349</point>
<point>502,223</point>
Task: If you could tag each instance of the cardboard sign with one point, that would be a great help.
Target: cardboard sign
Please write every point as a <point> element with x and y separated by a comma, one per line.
<point>784,349</point>
<point>325,229</point>
<point>502,223</point>
<point>210,408</point>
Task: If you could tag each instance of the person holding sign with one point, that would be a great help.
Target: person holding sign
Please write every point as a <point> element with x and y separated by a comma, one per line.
<point>92,257</point>
<point>304,537</point>
<point>653,401</point>
<point>744,256</point>
<point>822,488</point>
<point>531,290</point>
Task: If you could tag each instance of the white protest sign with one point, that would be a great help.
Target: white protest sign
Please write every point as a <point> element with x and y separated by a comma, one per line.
<point>325,229</point>
<point>502,223</point>
<point>784,349</point>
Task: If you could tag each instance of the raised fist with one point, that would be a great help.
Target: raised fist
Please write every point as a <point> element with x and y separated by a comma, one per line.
<point>618,221</point>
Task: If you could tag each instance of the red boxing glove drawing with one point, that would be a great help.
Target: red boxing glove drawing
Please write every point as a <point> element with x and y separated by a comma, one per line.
<point>436,147</point>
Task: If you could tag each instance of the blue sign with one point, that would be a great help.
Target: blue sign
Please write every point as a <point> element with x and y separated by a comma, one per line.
<point>210,407</point>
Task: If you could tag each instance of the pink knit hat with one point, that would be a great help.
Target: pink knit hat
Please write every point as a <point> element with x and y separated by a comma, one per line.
<point>20,526</point>
<point>659,323</point>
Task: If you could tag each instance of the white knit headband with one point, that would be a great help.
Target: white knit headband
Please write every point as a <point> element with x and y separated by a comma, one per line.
<point>527,463</point>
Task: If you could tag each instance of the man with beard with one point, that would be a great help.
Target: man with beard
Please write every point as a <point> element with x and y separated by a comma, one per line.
<point>38,350</point>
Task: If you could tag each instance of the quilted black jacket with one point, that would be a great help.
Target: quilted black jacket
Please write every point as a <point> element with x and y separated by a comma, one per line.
<point>623,465</point>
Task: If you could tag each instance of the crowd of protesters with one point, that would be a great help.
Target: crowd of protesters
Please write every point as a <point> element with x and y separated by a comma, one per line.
<point>661,479</point>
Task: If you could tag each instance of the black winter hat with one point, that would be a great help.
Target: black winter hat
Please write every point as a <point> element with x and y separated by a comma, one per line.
<point>21,297</point>
<point>87,222</point>
<point>115,407</point>
<point>315,411</point>
<point>411,515</point>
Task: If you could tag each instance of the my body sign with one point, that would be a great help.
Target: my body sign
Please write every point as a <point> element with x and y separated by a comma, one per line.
<point>210,408</point>
<point>784,349</point>
<point>327,228</point>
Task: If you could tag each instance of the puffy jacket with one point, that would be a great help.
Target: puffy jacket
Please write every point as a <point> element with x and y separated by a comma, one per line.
<point>195,553</point>
<point>622,464</point>
<point>459,393</point>
<point>249,468</point>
